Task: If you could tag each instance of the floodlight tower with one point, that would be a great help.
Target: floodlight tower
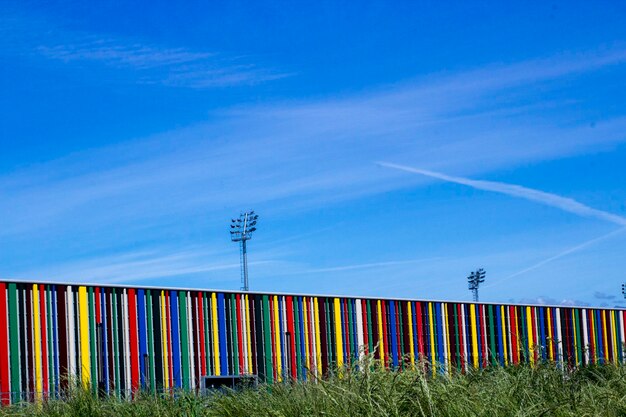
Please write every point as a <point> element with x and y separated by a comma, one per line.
<point>241,231</point>
<point>624,290</point>
<point>474,280</point>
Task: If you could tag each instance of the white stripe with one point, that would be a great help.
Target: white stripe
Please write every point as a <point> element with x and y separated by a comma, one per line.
<point>359,328</point>
<point>192,356</point>
<point>585,336</point>
<point>559,336</point>
<point>71,332</point>
<point>126,339</point>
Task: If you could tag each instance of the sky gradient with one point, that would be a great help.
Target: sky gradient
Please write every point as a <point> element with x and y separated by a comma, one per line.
<point>389,148</point>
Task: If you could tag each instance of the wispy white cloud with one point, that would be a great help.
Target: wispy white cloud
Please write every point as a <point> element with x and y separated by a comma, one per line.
<point>297,155</point>
<point>141,266</point>
<point>370,265</point>
<point>566,204</point>
<point>559,255</point>
<point>154,64</point>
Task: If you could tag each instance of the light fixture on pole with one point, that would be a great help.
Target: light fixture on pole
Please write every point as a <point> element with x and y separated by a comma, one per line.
<point>624,290</point>
<point>241,230</point>
<point>474,280</point>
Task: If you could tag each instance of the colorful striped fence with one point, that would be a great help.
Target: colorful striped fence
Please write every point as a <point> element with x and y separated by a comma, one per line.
<point>116,340</point>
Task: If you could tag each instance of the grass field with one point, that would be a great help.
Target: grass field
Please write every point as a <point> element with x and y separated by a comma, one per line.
<point>514,391</point>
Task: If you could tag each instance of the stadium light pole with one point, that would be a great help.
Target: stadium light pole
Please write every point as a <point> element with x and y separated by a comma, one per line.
<point>241,230</point>
<point>624,290</point>
<point>474,280</point>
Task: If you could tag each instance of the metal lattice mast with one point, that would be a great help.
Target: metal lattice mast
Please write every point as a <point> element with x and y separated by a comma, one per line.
<point>241,231</point>
<point>473,282</point>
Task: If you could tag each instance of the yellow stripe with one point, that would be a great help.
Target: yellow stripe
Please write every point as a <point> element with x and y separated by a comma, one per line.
<point>166,365</point>
<point>277,338</point>
<point>306,332</point>
<point>409,311</point>
<point>84,336</point>
<point>216,341</point>
<point>381,348</point>
<point>614,334</point>
<point>549,312</point>
<point>318,343</point>
<point>529,331</point>
<point>338,333</point>
<point>504,328</point>
<point>474,335</point>
<point>37,343</point>
<point>432,337</point>
<point>249,342</point>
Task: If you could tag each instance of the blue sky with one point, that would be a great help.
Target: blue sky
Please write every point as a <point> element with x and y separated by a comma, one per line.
<point>381,143</point>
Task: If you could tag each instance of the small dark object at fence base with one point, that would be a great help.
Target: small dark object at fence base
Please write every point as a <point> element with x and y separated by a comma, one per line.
<point>234,382</point>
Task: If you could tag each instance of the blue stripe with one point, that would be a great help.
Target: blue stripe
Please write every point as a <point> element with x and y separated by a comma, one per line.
<point>600,336</point>
<point>394,336</point>
<point>500,333</point>
<point>57,368</point>
<point>221,325</point>
<point>415,339</point>
<point>439,325</point>
<point>301,326</point>
<point>178,380</point>
<point>143,339</point>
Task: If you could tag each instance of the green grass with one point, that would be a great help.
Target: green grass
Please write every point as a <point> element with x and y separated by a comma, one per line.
<point>514,391</point>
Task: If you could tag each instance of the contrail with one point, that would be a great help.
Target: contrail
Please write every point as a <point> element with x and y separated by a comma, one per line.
<point>559,255</point>
<point>548,199</point>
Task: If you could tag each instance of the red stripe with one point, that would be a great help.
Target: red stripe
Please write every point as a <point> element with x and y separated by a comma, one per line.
<point>98,307</point>
<point>134,343</point>
<point>44,336</point>
<point>420,334</point>
<point>512,319</point>
<point>292,337</point>
<point>5,399</point>
<point>202,336</point>
<point>346,327</point>
<point>461,336</point>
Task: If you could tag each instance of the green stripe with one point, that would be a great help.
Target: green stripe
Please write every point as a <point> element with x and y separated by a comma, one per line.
<point>150,324</point>
<point>51,340</point>
<point>184,336</point>
<point>14,341</point>
<point>233,309</point>
<point>492,336</point>
<point>578,336</point>
<point>116,355</point>
<point>269,368</point>
<point>329,336</point>
<point>92,340</point>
